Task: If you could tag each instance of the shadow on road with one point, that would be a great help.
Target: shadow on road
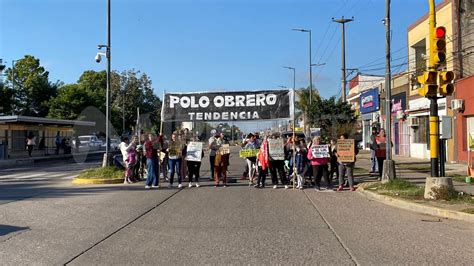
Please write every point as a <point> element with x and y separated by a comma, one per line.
<point>7,229</point>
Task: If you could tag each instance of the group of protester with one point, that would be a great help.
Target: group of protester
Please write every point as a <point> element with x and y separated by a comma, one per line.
<point>143,156</point>
<point>308,167</point>
<point>147,154</point>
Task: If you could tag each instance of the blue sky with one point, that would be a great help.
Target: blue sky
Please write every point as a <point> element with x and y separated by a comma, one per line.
<point>206,45</point>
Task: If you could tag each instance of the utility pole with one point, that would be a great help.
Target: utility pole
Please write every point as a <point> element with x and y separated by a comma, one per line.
<point>388,172</point>
<point>343,21</point>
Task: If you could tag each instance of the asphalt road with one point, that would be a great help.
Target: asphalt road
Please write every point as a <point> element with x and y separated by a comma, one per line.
<point>124,224</point>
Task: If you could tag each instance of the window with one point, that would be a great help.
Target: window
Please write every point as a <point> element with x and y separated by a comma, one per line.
<point>422,132</point>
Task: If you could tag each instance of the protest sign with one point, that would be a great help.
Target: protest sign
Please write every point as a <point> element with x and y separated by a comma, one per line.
<point>175,150</point>
<point>346,150</point>
<point>224,149</point>
<point>194,151</point>
<point>246,153</point>
<point>276,149</point>
<point>320,151</point>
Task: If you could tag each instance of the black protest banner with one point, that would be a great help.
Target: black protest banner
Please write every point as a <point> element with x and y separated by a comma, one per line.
<point>226,106</point>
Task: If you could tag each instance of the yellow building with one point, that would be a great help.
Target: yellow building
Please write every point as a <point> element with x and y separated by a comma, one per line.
<point>418,55</point>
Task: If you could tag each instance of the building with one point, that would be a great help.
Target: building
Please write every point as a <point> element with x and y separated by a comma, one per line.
<point>400,88</point>
<point>14,130</point>
<point>418,55</point>
<point>463,59</point>
<point>364,100</point>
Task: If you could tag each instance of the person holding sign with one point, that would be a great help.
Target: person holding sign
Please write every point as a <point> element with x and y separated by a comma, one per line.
<point>175,151</point>
<point>381,150</point>
<point>251,161</point>
<point>346,153</point>
<point>276,155</point>
<point>222,162</point>
<point>213,147</point>
<point>319,162</point>
<point>194,154</point>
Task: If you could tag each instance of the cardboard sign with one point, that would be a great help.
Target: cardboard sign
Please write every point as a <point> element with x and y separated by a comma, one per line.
<point>224,149</point>
<point>194,151</point>
<point>346,150</point>
<point>320,151</point>
<point>176,148</point>
<point>276,149</point>
<point>246,153</point>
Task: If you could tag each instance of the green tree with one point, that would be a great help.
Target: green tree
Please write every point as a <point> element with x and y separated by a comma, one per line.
<point>334,117</point>
<point>31,87</point>
<point>131,90</point>
<point>71,100</point>
<point>6,95</point>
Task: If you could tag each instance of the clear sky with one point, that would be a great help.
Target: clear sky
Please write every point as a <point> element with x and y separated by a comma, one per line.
<point>208,45</point>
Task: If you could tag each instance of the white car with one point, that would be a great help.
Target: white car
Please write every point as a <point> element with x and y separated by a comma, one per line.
<point>87,143</point>
<point>114,144</point>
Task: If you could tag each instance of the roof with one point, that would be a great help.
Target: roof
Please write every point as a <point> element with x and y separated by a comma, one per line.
<point>42,120</point>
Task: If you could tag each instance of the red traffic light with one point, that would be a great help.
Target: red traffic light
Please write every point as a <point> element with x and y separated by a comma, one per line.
<point>440,32</point>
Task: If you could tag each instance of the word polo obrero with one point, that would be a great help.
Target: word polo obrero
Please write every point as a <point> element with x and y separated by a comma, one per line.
<point>222,106</point>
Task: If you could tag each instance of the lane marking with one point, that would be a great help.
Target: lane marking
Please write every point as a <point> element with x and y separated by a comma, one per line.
<point>123,227</point>
<point>339,239</point>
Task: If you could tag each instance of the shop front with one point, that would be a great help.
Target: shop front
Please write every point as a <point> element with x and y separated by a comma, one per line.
<point>369,110</point>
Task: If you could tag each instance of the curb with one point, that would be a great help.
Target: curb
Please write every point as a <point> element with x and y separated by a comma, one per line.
<point>98,181</point>
<point>415,207</point>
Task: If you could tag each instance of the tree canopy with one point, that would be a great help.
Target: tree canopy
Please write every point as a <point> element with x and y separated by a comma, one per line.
<point>30,87</point>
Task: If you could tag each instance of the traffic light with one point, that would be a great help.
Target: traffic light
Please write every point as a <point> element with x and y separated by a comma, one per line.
<point>429,87</point>
<point>438,52</point>
<point>446,86</point>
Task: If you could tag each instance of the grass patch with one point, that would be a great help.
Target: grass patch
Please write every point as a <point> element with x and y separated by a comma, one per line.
<point>415,167</point>
<point>468,210</point>
<point>460,178</point>
<point>399,188</point>
<point>110,172</point>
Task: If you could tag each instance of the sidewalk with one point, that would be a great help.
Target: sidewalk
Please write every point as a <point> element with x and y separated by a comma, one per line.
<point>40,159</point>
<point>416,170</point>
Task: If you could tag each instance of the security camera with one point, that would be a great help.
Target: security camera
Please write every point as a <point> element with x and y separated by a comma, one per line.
<point>98,57</point>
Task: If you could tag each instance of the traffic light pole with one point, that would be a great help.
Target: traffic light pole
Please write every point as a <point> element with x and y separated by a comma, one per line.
<point>434,136</point>
<point>436,82</point>
<point>434,119</point>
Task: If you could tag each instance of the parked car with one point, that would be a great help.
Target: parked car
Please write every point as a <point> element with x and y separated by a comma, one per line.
<point>114,144</point>
<point>87,143</point>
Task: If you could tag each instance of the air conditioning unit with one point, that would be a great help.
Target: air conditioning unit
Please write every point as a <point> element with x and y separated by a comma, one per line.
<point>413,121</point>
<point>457,105</point>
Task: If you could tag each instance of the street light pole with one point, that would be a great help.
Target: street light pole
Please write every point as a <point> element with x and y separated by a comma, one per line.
<point>343,21</point>
<point>310,64</point>
<point>107,156</point>
<point>294,124</point>
<point>13,85</point>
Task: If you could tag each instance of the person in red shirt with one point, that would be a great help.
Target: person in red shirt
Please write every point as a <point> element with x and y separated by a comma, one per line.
<point>151,179</point>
